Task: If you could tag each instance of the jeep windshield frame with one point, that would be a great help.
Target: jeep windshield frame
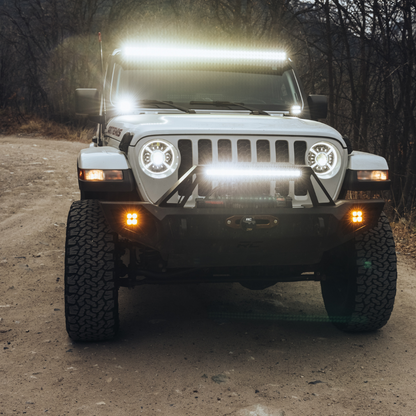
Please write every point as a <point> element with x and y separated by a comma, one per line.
<point>272,88</point>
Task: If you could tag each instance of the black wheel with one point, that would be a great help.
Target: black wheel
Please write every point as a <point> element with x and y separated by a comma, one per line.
<point>360,284</point>
<point>91,291</point>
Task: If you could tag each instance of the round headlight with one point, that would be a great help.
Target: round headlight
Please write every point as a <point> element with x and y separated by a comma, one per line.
<point>159,158</point>
<point>324,159</point>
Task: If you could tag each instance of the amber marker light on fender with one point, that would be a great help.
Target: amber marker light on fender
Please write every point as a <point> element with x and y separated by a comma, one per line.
<point>357,216</point>
<point>132,219</point>
<point>100,175</point>
<point>94,175</point>
<point>373,175</point>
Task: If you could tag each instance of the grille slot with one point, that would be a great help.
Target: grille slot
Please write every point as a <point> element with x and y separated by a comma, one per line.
<point>263,151</point>
<point>300,151</point>
<point>204,152</point>
<point>244,151</point>
<point>224,151</point>
<point>185,149</point>
<point>282,151</point>
<point>204,158</point>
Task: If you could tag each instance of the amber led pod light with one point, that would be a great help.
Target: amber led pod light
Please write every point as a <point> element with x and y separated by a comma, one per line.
<point>132,219</point>
<point>357,216</point>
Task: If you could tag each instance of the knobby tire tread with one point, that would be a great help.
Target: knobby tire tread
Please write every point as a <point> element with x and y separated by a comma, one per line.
<point>373,282</point>
<point>91,292</point>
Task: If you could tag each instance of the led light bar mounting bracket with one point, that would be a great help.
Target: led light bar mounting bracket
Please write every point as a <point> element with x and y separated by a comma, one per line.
<point>197,171</point>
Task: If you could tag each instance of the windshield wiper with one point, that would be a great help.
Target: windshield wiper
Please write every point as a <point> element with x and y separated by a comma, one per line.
<point>252,110</point>
<point>169,103</point>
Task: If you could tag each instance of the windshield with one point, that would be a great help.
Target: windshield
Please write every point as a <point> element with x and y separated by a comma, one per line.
<point>265,91</point>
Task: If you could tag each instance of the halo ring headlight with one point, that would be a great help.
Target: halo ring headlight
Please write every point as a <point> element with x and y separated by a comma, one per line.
<point>159,159</point>
<point>324,159</point>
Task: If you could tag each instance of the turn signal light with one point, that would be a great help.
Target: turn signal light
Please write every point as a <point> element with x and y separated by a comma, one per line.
<point>357,216</point>
<point>132,219</point>
<point>94,175</point>
<point>100,175</point>
<point>372,175</point>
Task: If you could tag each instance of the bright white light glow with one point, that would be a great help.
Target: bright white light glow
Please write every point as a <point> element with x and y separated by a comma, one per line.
<point>324,159</point>
<point>206,54</point>
<point>295,110</point>
<point>157,157</point>
<point>251,173</point>
<point>125,105</point>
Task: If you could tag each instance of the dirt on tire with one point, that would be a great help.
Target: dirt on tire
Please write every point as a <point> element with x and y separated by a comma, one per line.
<point>209,349</point>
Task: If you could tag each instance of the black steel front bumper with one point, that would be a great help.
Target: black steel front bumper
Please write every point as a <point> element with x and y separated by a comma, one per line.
<point>222,237</point>
<point>218,237</point>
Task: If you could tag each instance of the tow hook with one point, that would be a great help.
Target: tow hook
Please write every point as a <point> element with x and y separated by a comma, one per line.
<point>251,222</point>
<point>248,223</point>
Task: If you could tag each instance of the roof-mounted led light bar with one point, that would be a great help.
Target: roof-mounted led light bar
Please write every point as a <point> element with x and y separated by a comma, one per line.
<point>181,53</point>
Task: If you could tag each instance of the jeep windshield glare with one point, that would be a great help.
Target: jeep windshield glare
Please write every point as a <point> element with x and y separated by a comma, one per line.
<point>204,89</point>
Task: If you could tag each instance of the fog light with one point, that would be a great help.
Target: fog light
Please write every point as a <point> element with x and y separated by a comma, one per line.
<point>132,219</point>
<point>357,216</point>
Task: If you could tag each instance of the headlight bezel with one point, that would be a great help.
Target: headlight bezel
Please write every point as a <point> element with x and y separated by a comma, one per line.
<point>324,158</point>
<point>150,162</point>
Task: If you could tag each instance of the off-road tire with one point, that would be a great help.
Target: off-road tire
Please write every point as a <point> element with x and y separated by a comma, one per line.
<point>360,283</point>
<point>91,291</point>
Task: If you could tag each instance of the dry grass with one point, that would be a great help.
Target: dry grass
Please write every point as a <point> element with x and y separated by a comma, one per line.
<point>404,231</point>
<point>38,127</point>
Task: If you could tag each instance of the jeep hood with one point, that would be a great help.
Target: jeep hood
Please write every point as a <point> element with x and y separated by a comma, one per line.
<point>145,125</point>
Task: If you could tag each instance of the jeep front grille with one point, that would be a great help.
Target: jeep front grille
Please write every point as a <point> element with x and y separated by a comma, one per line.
<point>207,151</point>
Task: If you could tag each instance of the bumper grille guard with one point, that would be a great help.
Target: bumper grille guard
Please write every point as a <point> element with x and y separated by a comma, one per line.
<point>188,183</point>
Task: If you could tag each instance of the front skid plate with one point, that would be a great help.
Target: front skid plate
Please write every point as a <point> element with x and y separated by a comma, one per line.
<point>192,237</point>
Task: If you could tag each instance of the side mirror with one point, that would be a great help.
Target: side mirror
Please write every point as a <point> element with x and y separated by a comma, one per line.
<point>87,103</point>
<point>318,106</point>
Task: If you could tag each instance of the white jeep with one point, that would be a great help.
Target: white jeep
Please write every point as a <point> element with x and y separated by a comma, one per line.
<point>209,166</point>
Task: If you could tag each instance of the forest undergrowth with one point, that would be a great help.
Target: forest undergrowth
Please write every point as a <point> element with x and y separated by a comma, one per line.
<point>34,126</point>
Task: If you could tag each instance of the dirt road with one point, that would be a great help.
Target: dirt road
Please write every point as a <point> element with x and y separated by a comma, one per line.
<point>181,350</point>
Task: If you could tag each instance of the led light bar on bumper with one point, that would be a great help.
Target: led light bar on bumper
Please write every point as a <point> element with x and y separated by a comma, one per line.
<point>222,174</point>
